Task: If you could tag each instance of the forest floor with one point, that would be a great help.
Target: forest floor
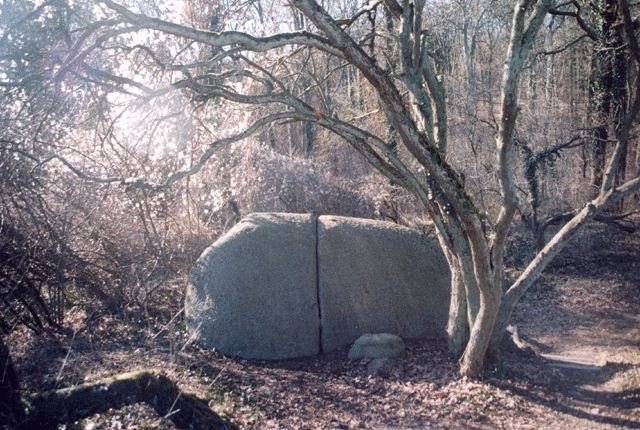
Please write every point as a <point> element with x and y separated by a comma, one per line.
<point>582,319</point>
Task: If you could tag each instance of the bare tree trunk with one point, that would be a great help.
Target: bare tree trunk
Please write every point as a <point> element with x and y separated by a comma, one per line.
<point>473,361</point>
<point>548,75</point>
<point>469,42</point>
<point>636,169</point>
<point>458,325</point>
<point>307,135</point>
<point>608,91</point>
<point>490,275</point>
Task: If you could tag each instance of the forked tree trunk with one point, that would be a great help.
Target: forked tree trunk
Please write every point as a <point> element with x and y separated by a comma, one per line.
<point>465,301</point>
<point>473,360</point>
<point>488,249</point>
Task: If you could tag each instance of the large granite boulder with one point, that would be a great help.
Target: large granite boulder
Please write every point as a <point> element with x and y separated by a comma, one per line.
<point>290,285</point>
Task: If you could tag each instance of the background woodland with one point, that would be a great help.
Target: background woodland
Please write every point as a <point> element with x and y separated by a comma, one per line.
<point>93,214</point>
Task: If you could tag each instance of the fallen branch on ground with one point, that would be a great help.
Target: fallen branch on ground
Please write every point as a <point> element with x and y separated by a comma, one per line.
<point>149,386</point>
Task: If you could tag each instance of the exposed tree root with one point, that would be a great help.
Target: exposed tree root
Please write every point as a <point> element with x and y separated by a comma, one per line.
<point>46,410</point>
<point>510,344</point>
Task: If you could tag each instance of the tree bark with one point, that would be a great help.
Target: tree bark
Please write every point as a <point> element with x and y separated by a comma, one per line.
<point>473,360</point>
<point>458,325</point>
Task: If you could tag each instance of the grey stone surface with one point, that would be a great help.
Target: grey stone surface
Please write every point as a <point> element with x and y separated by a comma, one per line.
<point>377,277</point>
<point>377,345</point>
<point>253,292</point>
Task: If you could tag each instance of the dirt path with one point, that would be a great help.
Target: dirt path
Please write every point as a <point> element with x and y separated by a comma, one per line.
<point>584,320</point>
<point>598,374</point>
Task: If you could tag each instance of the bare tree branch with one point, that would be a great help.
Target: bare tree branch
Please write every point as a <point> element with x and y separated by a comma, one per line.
<point>224,39</point>
<point>591,33</point>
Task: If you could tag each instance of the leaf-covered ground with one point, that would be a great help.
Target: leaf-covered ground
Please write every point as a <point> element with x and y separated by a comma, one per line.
<point>582,320</point>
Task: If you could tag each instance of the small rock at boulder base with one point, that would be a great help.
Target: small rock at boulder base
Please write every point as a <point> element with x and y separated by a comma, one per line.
<point>380,345</point>
<point>381,367</point>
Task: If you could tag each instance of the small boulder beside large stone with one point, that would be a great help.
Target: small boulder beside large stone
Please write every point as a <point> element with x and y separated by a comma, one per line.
<point>380,345</point>
<point>382,367</point>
